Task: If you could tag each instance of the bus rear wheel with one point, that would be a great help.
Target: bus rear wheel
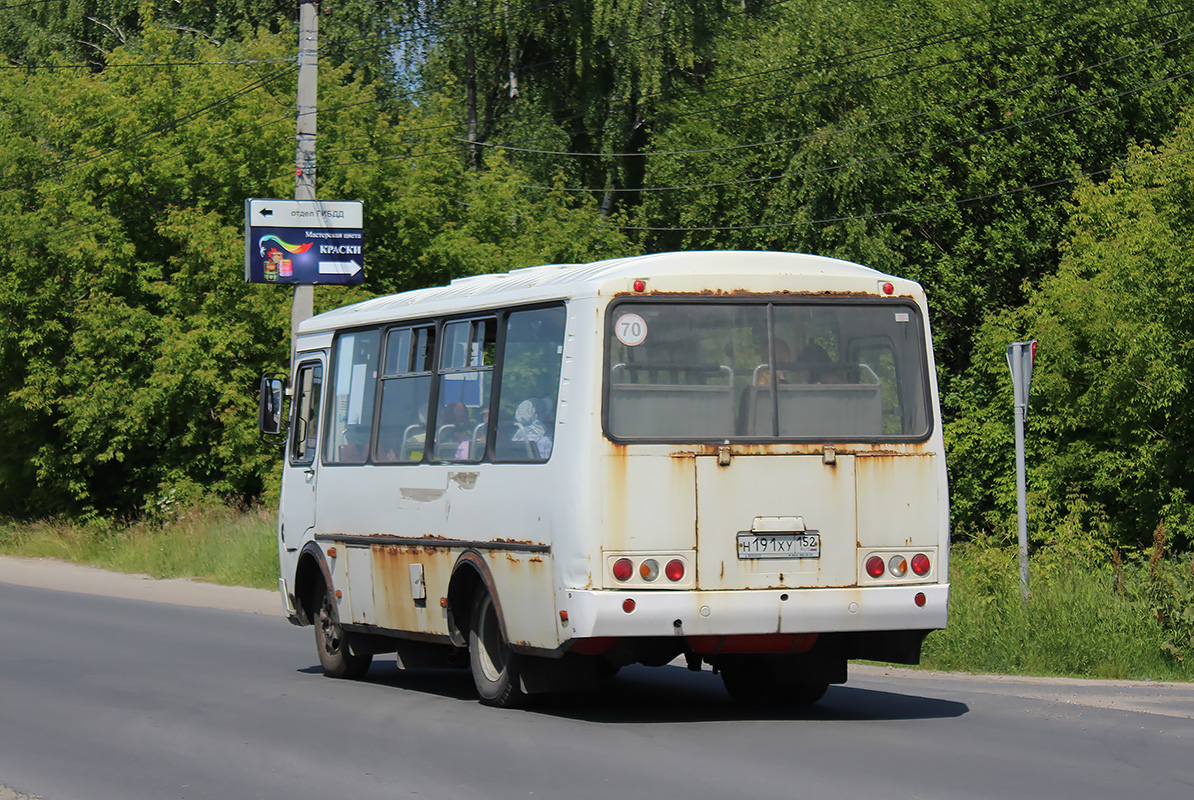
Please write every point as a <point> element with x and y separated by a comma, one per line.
<point>333,644</point>
<point>494,666</point>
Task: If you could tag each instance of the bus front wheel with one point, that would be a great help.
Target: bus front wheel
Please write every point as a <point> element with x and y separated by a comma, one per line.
<point>332,643</point>
<point>495,667</point>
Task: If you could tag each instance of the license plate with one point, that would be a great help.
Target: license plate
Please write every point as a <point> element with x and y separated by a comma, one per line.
<point>779,545</point>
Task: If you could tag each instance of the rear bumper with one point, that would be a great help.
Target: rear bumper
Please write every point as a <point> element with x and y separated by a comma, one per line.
<point>727,613</point>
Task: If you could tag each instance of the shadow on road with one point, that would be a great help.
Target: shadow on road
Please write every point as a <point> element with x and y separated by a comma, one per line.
<point>643,695</point>
<point>670,694</point>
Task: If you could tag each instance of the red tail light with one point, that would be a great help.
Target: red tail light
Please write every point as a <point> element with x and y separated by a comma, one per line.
<point>674,570</point>
<point>920,564</point>
<point>623,569</point>
<point>875,567</point>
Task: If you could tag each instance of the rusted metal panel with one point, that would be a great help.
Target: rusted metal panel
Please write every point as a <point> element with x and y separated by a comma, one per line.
<point>395,606</point>
<point>525,585</point>
<point>648,502</point>
<point>360,577</point>
<point>897,500</point>
<point>432,540</point>
<point>730,498</point>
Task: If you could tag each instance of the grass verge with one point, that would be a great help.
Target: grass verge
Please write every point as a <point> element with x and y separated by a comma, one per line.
<point>208,543</point>
<point>1131,616</point>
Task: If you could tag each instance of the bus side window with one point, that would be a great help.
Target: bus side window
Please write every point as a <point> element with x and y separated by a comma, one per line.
<point>405,395</point>
<point>530,384</point>
<point>354,380</point>
<point>467,354</point>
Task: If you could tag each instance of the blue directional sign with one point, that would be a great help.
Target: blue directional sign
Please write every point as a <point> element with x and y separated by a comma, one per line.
<point>303,241</point>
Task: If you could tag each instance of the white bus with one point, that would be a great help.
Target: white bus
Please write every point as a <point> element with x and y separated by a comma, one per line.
<point>731,457</point>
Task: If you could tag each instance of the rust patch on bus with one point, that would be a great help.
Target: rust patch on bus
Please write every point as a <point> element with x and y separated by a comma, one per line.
<point>804,449</point>
<point>514,541</point>
<point>394,605</point>
<point>757,295</point>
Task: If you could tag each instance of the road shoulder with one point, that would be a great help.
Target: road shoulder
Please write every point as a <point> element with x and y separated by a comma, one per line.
<point>49,573</point>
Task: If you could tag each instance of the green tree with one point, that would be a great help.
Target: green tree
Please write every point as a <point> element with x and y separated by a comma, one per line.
<point>89,31</point>
<point>564,77</point>
<point>1110,435</point>
<point>130,344</point>
<point>934,140</point>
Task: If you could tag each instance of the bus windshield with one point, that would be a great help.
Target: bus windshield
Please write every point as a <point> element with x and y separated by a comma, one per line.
<point>716,370</point>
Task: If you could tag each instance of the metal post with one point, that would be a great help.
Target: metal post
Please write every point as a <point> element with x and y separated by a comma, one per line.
<point>1021,482</point>
<point>303,306</point>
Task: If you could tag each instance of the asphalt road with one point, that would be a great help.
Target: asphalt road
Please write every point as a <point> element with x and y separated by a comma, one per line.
<point>104,697</point>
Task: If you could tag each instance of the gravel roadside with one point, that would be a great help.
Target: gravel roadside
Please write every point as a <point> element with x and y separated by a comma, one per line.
<point>49,573</point>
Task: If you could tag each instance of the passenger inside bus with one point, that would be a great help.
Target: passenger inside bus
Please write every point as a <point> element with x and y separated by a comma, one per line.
<point>818,367</point>
<point>532,421</point>
<point>782,356</point>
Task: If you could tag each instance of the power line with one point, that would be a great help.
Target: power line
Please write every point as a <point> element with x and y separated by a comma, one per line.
<point>898,154</point>
<point>879,51</point>
<point>23,5</point>
<point>819,134</point>
<point>153,64</point>
<point>909,209</point>
<point>927,112</point>
<point>835,131</point>
<point>820,88</point>
<point>874,78</point>
<point>73,164</point>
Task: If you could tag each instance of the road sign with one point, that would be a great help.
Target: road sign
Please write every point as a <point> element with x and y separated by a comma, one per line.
<point>303,241</point>
<point>1025,354</point>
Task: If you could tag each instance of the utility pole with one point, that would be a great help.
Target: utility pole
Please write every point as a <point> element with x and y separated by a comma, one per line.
<point>303,306</point>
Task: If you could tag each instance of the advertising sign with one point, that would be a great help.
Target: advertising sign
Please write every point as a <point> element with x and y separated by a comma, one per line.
<point>303,241</point>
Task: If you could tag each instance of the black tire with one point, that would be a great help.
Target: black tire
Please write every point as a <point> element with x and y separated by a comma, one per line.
<point>334,645</point>
<point>494,666</point>
<point>756,682</point>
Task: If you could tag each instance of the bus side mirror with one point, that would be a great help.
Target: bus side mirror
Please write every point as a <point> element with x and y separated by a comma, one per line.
<point>269,404</point>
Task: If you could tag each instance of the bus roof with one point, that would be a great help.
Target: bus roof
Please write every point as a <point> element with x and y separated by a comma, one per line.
<point>696,271</point>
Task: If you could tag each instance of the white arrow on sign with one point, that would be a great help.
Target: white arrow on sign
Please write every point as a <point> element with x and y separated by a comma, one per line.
<point>339,268</point>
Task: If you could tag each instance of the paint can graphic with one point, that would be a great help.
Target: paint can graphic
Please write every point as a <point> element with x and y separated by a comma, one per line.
<point>273,260</point>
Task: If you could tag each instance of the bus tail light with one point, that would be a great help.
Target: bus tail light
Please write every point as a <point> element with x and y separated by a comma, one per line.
<point>875,567</point>
<point>645,570</point>
<point>921,564</point>
<point>898,566</point>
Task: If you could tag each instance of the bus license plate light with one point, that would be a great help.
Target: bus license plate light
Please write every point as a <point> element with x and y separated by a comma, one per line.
<point>779,545</point>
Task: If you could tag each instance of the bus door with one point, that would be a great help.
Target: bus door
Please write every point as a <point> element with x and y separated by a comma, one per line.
<point>301,468</point>
<point>775,521</point>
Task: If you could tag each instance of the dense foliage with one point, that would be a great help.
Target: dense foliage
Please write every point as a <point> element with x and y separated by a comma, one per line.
<point>130,345</point>
<point>1026,160</point>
